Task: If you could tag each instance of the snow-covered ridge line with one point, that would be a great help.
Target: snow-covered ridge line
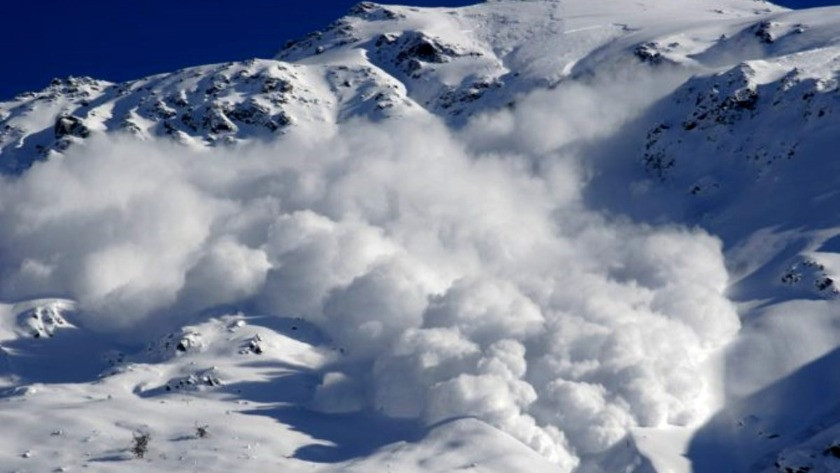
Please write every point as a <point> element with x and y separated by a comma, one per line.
<point>378,61</point>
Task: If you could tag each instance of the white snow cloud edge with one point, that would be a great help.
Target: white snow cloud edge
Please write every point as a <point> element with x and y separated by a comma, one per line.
<point>462,267</point>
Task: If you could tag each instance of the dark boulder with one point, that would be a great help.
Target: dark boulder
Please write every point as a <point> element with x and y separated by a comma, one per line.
<point>68,125</point>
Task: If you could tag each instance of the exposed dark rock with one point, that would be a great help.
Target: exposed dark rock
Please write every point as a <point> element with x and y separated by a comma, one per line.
<point>215,120</point>
<point>68,125</point>
<point>178,100</point>
<point>254,346</point>
<point>824,283</point>
<point>410,50</point>
<point>195,381</point>
<point>373,12</point>
<point>130,127</point>
<point>651,53</point>
<point>275,84</point>
<point>253,113</point>
<point>468,93</point>
<point>763,31</point>
<point>175,343</point>
<point>161,110</point>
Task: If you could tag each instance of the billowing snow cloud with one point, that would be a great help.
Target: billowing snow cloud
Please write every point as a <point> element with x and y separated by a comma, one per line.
<point>463,269</point>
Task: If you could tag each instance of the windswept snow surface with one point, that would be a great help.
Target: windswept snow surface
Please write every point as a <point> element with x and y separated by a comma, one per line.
<point>587,236</point>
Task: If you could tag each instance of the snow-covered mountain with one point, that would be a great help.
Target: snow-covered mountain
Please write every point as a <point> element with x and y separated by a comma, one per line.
<point>524,235</point>
<point>383,61</point>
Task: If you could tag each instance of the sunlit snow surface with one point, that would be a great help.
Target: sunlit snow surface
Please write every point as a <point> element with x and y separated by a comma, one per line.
<point>519,236</point>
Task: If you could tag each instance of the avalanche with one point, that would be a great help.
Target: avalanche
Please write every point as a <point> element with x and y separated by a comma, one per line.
<point>517,236</point>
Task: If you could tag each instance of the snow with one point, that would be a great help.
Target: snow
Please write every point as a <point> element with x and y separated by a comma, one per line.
<point>517,236</point>
<point>254,415</point>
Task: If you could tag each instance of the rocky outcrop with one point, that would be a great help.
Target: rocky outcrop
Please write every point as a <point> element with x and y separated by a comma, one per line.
<point>68,125</point>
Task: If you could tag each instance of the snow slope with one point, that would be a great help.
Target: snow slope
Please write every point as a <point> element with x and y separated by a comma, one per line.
<point>544,235</point>
<point>245,380</point>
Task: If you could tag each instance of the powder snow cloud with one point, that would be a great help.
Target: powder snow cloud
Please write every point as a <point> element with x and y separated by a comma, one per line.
<point>461,271</point>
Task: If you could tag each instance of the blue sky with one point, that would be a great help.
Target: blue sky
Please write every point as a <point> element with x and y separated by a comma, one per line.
<point>126,39</point>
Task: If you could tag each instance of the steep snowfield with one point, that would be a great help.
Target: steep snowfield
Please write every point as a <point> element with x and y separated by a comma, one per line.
<point>537,235</point>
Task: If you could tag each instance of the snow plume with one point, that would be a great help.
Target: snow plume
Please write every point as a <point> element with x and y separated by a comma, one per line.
<point>460,272</point>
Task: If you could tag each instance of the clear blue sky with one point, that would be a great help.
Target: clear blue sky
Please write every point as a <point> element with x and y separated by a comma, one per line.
<point>126,39</point>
